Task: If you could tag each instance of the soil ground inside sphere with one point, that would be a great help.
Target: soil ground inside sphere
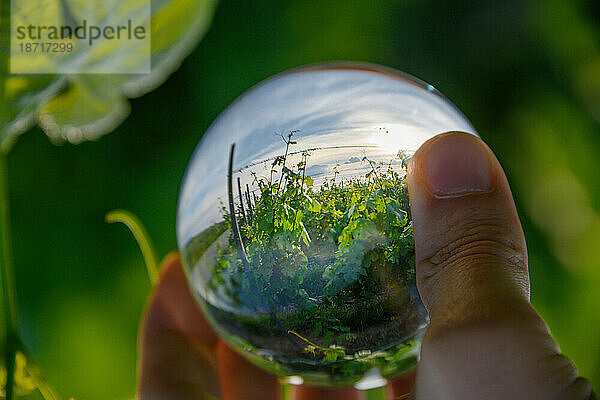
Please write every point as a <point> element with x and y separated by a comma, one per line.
<point>375,323</point>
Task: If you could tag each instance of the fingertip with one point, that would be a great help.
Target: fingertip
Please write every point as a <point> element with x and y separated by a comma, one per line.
<point>242,380</point>
<point>454,164</point>
<point>468,237</point>
<point>170,266</point>
<point>176,342</point>
<point>484,339</point>
<point>401,387</point>
<point>173,307</point>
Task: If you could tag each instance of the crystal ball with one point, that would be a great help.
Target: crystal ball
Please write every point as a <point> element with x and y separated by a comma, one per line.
<point>294,222</point>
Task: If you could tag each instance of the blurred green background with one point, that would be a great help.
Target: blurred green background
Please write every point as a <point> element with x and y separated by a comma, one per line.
<point>526,73</point>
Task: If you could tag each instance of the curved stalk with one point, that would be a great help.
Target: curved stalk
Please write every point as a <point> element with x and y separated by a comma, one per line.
<point>142,238</point>
<point>234,225</point>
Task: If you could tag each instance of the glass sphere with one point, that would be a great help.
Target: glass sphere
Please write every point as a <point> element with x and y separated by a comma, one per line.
<point>294,222</point>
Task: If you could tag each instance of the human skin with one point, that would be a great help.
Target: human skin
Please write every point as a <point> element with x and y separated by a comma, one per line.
<point>484,341</point>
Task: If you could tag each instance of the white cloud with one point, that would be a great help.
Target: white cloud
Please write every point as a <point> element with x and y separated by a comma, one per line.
<point>330,108</point>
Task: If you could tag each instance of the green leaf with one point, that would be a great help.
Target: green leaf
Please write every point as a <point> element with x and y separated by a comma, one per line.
<point>305,235</point>
<point>318,329</point>
<point>24,382</point>
<point>350,211</point>
<point>80,107</point>
<point>299,216</point>
<point>333,352</point>
<point>330,355</point>
<point>380,205</point>
<point>394,208</point>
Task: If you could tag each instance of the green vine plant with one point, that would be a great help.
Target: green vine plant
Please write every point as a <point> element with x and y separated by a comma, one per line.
<point>310,265</point>
<point>76,108</point>
<point>290,218</point>
<point>331,353</point>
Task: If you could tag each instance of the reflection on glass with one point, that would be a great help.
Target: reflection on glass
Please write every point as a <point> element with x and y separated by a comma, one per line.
<point>294,222</point>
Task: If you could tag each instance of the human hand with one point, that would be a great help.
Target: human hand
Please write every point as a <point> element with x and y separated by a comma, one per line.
<point>182,358</point>
<point>484,341</point>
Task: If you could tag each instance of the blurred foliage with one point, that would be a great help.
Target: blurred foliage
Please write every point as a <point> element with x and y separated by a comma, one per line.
<point>79,107</point>
<point>526,73</point>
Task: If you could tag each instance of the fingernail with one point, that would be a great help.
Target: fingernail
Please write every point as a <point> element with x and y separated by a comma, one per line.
<point>456,164</point>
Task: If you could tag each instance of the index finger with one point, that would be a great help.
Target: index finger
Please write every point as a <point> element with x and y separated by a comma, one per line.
<point>181,355</point>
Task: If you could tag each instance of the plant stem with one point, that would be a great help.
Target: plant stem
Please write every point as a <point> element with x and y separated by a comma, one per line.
<point>234,225</point>
<point>9,295</point>
<point>377,394</point>
<point>285,390</point>
<point>4,60</point>
<point>141,236</point>
<point>242,202</point>
<point>303,172</point>
<point>249,201</point>
<point>287,148</point>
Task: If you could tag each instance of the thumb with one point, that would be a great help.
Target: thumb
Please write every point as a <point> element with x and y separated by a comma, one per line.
<point>470,248</point>
<point>484,339</point>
